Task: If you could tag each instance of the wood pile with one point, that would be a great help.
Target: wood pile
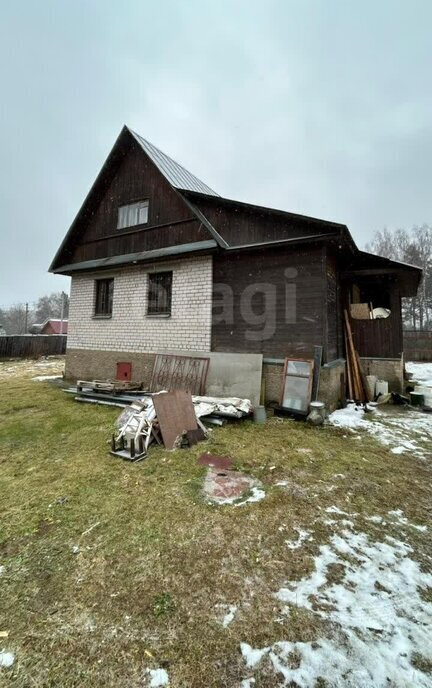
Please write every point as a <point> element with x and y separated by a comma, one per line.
<point>357,388</point>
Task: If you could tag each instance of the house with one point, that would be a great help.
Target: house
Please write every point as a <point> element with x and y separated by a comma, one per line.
<point>54,326</point>
<point>159,261</point>
<point>50,326</point>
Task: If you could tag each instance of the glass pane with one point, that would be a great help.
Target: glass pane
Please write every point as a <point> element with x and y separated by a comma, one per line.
<point>122,217</point>
<point>142,213</point>
<point>296,393</point>
<point>298,368</point>
<point>131,216</point>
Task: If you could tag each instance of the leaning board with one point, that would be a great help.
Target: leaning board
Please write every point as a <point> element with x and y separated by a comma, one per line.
<point>175,414</point>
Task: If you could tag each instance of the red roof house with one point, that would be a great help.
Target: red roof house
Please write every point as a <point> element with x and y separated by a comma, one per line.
<point>54,326</point>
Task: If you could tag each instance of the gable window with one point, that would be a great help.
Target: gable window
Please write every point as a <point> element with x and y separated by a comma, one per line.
<point>159,293</point>
<point>133,214</point>
<point>104,290</point>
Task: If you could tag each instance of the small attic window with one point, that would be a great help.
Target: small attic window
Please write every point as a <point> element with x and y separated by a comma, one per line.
<point>133,214</point>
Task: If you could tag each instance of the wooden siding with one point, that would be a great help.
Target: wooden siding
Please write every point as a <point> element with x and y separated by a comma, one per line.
<point>335,344</point>
<point>241,224</point>
<point>130,177</point>
<point>239,271</point>
<point>377,338</point>
<point>382,338</point>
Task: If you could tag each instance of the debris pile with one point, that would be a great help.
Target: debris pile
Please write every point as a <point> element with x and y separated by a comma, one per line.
<point>171,419</point>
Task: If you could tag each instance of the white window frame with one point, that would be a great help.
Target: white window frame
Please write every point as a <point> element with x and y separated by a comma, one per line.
<point>133,214</point>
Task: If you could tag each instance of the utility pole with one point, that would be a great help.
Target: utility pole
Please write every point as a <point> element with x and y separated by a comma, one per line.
<point>26,318</point>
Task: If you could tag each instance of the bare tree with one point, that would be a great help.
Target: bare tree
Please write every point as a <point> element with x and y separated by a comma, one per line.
<point>413,247</point>
<point>50,306</point>
<point>20,318</point>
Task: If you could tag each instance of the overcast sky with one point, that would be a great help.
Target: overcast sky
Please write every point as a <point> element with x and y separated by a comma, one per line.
<point>321,107</point>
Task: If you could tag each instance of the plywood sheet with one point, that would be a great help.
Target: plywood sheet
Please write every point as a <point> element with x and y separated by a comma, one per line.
<point>175,413</point>
<point>360,311</point>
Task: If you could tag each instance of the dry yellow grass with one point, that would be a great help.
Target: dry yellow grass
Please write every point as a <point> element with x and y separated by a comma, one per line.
<point>144,588</point>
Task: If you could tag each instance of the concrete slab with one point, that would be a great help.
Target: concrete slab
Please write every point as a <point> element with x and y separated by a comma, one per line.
<point>230,374</point>
<point>226,486</point>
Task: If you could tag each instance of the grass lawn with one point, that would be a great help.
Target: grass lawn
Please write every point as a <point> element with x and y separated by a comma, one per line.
<point>112,569</point>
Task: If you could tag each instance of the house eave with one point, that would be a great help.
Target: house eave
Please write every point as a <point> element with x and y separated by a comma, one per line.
<point>138,258</point>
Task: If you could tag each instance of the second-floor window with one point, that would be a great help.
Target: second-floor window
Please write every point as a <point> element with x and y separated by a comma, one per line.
<point>133,214</point>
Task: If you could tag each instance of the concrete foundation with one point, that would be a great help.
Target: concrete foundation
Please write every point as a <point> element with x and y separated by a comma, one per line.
<point>91,364</point>
<point>229,374</point>
<point>389,369</point>
<point>234,374</point>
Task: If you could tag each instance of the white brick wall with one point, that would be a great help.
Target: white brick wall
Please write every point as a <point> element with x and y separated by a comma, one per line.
<point>130,329</point>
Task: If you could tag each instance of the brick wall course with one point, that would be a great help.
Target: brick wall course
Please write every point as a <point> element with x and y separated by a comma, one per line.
<point>130,329</point>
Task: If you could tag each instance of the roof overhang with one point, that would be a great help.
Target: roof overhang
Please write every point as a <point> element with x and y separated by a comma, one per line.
<point>364,264</point>
<point>138,258</point>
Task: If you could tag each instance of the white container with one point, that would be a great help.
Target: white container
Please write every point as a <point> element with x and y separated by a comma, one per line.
<point>428,399</point>
<point>371,383</point>
<point>316,413</point>
<point>381,387</point>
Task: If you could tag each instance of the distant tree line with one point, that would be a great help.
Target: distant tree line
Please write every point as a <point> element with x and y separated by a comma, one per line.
<point>20,318</point>
<point>412,246</point>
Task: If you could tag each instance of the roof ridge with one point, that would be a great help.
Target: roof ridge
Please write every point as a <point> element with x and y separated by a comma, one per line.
<point>177,175</point>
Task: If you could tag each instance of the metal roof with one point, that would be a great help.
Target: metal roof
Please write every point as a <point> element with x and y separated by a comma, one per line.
<point>175,173</point>
<point>142,256</point>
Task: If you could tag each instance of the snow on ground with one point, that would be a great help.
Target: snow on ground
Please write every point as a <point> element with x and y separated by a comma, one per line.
<point>422,372</point>
<point>229,616</point>
<point>303,535</point>
<point>43,378</point>
<point>402,429</point>
<point>158,678</point>
<point>377,619</point>
<point>256,496</point>
<point>51,365</point>
<point>6,659</point>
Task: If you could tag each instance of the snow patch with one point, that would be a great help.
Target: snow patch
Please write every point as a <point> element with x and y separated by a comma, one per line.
<point>303,535</point>
<point>6,659</point>
<point>229,616</point>
<point>256,495</point>
<point>378,618</point>
<point>400,429</point>
<point>158,677</point>
<point>41,378</point>
<point>422,372</point>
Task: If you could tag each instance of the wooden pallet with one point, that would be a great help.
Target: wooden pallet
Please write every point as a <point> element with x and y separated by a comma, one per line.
<point>107,386</point>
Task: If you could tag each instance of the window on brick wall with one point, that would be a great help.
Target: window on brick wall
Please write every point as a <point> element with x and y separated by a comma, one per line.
<point>133,214</point>
<point>104,291</point>
<point>159,293</point>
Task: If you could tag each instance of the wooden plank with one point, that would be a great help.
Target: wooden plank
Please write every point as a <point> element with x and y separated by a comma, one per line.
<point>175,414</point>
<point>360,311</point>
<point>318,352</point>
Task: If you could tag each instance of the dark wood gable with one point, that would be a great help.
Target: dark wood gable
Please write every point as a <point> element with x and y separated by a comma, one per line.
<point>242,223</point>
<point>128,175</point>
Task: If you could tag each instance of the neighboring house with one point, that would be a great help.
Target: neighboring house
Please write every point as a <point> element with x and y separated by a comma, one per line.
<point>54,326</point>
<point>2,331</point>
<point>159,262</point>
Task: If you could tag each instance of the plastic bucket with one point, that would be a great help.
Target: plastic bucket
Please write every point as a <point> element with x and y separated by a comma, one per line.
<point>260,415</point>
<point>417,399</point>
<point>381,387</point>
